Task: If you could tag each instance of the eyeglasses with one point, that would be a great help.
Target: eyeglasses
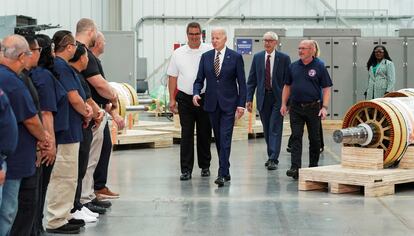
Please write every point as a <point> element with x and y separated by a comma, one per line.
<point>37,49</point>
<point>268,40</point>
<point>26,53</point>
<point>303,48</point>
<point>194,34</point>
<point>379,51</point>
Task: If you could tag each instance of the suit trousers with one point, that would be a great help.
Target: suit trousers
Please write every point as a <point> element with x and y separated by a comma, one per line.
<point>223,123</point>
<point>272,122</point>
<point>84,148</point>
<point>62,185</point>
<point>190,117</point>
<point>94,154</point>
<point>299,116</point>
<point>27,211</point>
<point>100,176</point>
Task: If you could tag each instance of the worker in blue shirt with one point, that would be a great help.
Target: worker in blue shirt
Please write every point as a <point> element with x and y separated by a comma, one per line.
<point>303,87</point>
<point>21,163</point>
<point>8,142</point>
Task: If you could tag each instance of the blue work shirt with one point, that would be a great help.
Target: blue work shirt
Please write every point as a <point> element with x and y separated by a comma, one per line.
<point>70,81</point>
<point>52,96</point>
<point>306,81</point>
<point>21,163</point>
<point>8,128</point>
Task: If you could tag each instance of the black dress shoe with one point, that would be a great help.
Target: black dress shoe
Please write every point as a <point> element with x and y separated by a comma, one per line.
<point>77,222</point>
<point>272,165</point>
<point>219,181</point>
<point>288,149</point>
<point>65,229</point>
<point>294,173</point>
<point>95,208</point>
<point>267,163</point>
<point>185,176</point>
<point>101,203</point>
<point>227,178</point>
<point>205,172</point>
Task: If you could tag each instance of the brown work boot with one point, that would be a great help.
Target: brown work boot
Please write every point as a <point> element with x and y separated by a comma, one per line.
<point>105,193</point>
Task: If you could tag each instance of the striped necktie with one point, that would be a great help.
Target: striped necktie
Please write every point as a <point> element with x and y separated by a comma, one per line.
<point>268,85</point>
<point>217,64</point>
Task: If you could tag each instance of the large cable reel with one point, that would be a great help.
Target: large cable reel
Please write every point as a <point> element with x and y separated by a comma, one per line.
<point>384,123</point>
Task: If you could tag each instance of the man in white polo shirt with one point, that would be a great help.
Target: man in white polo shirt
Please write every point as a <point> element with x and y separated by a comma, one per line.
<point>182,72</point>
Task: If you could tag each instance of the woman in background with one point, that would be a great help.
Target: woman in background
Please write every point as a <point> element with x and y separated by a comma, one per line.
<point>381,73</point>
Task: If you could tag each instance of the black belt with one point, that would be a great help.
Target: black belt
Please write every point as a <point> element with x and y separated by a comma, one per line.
<point>306,104</point>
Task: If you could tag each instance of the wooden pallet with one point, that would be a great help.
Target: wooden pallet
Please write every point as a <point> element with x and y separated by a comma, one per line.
<point>154,139</point>
<point>239,133</point>
<point>352,176</point>
<point>146,125</point>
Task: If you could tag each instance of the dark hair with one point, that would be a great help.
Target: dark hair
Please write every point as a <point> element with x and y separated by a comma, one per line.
<point>372,61</point>
<point>193,25</point>
<point>46,57</point>
<point>31,40</point>
<point>61,39</point>
<point>80,51</point>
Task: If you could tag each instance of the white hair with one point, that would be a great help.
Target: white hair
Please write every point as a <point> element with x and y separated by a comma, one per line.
<point>271,34</point>
<point>13,46</point>
<point>219,29</point>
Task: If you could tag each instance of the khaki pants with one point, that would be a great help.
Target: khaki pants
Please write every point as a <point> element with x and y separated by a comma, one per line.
<point>94,154</point>
<point>62,185</point>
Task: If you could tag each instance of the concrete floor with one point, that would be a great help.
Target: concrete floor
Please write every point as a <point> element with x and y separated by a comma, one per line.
<point>257,202</point>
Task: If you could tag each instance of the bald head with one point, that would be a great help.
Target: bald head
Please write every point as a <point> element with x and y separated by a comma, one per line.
<point>84,25</point>
<point>306,50</point>
<point>99,47</point>
<point>13,46</point>
<point>86,31</point>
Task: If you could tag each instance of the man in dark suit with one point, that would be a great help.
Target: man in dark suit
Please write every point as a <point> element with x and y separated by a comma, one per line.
<point>268,72</point>
<point>225,98</point>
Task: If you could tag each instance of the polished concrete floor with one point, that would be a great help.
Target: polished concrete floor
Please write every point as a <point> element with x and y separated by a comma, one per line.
<point>257,201</point>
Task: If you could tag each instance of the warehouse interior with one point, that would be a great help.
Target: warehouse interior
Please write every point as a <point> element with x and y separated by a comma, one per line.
<point>364,181</point>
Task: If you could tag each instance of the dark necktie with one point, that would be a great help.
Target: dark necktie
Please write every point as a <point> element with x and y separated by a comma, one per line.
<point>268,85</point>
<point>217,64</point>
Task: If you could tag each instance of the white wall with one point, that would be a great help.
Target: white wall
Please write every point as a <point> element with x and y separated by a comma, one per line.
<point>156,37</point>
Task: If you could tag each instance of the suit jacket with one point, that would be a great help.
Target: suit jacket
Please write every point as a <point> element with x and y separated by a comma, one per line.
<point>228,90</point>
<point>382,81</point>
<point>257,77</point>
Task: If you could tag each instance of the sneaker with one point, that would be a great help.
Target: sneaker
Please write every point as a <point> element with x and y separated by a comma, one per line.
<point>94,208</point>
<point>100,203</point>
<point>89,212</point>
<point>65,229</point>
<point>105,193</point>
<point>81,215</point>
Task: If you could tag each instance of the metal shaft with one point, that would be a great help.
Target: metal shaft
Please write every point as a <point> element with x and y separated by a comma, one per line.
<point>146,101</point>
<point>136,108</point>
<point>362,134</point>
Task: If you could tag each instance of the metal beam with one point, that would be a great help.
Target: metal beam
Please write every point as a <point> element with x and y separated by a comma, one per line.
<point>327,5</point>
<point>218,12</point>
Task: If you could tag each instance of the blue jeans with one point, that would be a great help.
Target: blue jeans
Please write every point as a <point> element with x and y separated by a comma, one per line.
<point>4,167</point>
<point>8,208</point>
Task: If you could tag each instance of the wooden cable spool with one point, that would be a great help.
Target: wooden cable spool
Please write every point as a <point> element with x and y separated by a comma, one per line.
<point>126,96</point>
<point>407,92</point>
<point>388,123</point>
